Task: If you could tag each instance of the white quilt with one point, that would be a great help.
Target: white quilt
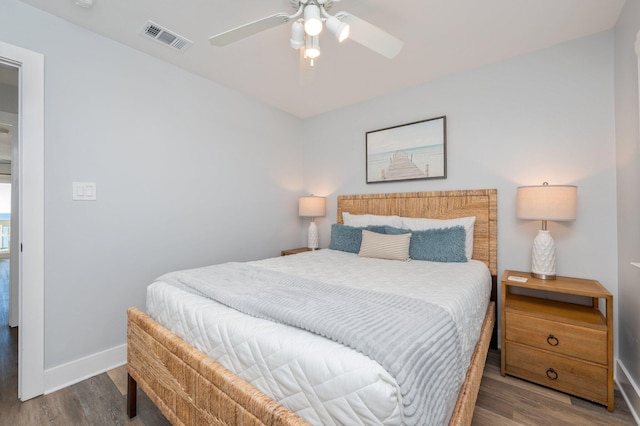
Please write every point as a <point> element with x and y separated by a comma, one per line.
<point>323,381</point>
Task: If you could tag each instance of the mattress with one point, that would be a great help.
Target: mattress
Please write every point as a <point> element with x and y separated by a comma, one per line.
<point>323,381</point>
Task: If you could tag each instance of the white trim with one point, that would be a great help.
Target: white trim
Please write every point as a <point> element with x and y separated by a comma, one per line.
<point>629,390</point>
<point>637,46</point>
<point>31,211</point>
<point>81,369</point>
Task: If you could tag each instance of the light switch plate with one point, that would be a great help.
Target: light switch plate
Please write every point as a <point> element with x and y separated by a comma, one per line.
<point>84,191</point>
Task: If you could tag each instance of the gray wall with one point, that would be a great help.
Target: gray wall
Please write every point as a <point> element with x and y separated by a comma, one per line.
<point>544,116</point>
<point>188,173</point>
<point>191,173</point>
<point>628,159</point>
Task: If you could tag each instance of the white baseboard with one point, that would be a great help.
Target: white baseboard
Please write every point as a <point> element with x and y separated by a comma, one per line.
<point>629,389</point>
<point>76,371</point>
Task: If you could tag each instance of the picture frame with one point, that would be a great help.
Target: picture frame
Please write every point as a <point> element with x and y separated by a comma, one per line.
<point>411,151</point>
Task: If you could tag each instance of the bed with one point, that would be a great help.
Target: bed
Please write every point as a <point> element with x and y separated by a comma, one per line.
<point>190,387</point>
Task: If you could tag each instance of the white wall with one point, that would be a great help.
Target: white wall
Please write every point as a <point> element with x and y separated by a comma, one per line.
<point>544,116</point>
<point>188,173</point>
<point>628,159</point>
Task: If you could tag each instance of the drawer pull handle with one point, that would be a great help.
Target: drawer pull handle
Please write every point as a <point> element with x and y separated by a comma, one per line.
<point>552,374</point>
<point>552,340</point>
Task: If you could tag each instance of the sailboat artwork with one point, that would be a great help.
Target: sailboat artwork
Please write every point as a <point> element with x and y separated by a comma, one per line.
<point>410,151</point>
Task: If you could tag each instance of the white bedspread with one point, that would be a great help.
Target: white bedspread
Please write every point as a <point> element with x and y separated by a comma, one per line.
<point>323,381</point>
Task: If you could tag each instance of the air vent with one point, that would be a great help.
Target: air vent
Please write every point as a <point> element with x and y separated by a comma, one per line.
<point>297,3</point>
<point>166,37</point>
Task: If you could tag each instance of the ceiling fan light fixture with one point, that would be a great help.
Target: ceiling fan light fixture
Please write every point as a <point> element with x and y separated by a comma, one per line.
<point>338,28</point>
<point>307,23</point>
<point>297,35</point>
<point>312,47</point>
<point>312,21</point>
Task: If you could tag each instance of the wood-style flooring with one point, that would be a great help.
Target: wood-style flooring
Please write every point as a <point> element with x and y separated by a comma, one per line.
<point>97,401</point>
<point>101,400</point>
<point>509,401</point>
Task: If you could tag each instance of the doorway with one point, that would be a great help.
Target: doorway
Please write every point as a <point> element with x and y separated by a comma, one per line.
<point>9,288</point>
<point>28,168</point>
<point>9,125</point>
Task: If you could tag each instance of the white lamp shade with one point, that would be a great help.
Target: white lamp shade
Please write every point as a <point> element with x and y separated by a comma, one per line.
<point>547,202</point>
<point>338,28</point>
<point>312,21</point>
<point>312,47</point>
<point>311,206</point>
<point>297,35</point>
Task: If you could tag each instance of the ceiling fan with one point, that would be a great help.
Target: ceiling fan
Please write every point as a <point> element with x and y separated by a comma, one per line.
<point>307,24</point>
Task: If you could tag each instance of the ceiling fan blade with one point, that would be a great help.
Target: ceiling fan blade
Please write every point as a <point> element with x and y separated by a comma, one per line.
<point>371,36</point>
<point>249,29</point>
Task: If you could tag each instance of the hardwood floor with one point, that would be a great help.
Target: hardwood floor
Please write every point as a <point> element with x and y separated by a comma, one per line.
<point>510,401</point>
<point>97,401</point>
<point>101,400</point>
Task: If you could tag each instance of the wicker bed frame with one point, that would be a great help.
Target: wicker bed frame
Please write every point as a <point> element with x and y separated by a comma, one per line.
<point>190,388</point>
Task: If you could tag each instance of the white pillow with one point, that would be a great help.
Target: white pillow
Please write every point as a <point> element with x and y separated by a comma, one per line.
<point>385,246</point>
<point>362,220</point>
<point>422,224</point>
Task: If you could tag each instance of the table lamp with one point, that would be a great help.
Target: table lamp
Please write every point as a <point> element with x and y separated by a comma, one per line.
<point>546,202</point>
<point>312,207</point>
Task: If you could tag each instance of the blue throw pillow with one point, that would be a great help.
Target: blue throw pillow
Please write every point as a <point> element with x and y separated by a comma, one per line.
<point>391,230</point>
<point>349,238</point>
<point>436,245</point>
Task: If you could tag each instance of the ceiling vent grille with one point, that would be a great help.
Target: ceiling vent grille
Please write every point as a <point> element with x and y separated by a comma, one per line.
<point>166,37</point>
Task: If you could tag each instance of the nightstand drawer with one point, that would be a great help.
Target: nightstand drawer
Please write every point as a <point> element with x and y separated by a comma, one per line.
<point>579,378</point>
<point>580,342</point>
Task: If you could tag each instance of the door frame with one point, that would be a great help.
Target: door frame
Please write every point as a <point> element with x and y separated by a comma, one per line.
<point>31,217</point>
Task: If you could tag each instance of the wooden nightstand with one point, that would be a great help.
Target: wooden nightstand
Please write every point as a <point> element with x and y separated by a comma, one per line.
<point>295,251</point>
<point>565,346</point>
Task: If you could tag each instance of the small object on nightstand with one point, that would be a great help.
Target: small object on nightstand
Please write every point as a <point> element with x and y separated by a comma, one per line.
<point>517,278</point>
<point>294,251</point>
<point>561,345</point>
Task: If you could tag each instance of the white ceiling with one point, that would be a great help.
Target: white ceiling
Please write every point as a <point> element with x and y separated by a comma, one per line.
<point>441,37</point>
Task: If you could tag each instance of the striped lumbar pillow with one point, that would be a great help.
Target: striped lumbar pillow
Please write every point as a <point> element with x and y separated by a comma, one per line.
<point>382,246</point>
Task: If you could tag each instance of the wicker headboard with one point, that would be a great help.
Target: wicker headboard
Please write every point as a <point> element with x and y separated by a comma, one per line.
<point>481,203</point>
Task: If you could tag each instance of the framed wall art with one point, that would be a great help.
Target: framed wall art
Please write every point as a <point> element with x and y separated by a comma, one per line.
<point>409,151</point>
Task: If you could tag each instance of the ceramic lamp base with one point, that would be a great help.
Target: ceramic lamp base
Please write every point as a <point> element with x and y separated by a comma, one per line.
<point>543,276</point>
<point>543,256</point>
<point>312,238</point>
